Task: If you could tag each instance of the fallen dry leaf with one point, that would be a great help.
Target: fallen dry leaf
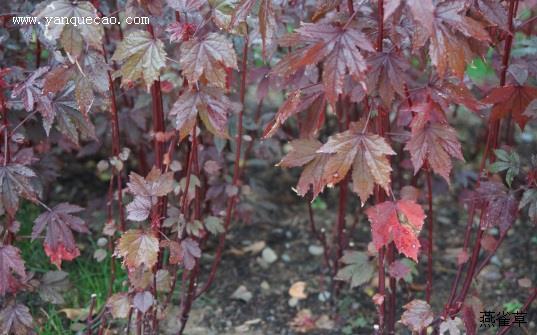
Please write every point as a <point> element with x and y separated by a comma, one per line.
<point>255,247</point>
<point>297,290</point>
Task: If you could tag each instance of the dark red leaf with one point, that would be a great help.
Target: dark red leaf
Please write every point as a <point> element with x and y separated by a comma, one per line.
<point>512,100</point>
<point>10,263</point>
<point>59,222</point>
<point>400,222</point>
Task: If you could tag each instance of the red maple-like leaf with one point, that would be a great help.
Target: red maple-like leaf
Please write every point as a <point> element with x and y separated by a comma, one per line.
<point>499,206</point>
<point>10,263</point>
<point>180,31</point>
<point>212,106</point>
<point>297,101</point>
<point>15,181</point>
<point>60,253</point>
<point>387,74</point>
<point>337,47</point>
<point>184,252</point>
<point>512,99</point>
<point>366,152</point>
<point>304,153</point>
<point>59,240</point>
<point>146,192</point>
<point>400,222</point>
<point>16,319</point>
<point>447,29</point>
<point>432,139</point>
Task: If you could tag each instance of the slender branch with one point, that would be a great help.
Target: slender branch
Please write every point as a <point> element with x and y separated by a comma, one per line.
<point>379,194</point>
<point>430,220</point>
<point>492,143</point>
<point>236,173</point>
<point>513,5</point>
<point>89,319</point>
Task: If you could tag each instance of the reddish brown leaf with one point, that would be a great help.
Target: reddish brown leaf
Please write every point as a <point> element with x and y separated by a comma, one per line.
<point>62,109</point>
<point>241,11</point>
<point>417,316</point>
<point>142,56</point>
<point>434,140</point>
<point>210,104</point>
<point>387,75</point>
<point>119,305</point>
<point>500,206</point>
<point>493,11</point>
<point>139,249</point>
<point>304,152</point>
<point>59,240</point>
<point>267,24</point>
<point>208,59</point>
<point>512,99</point>
<point>57,78</point>
<point>297,101</point>
<point>367,153</point>
<point>16,319</point>
<point>448,48</point>
<point>185,252</point>
<point>143,301</point>
<point>29,91</point>
<point>400,222</point>
<point>423,12</point>
<point>398,270</point>
<point>338,49</point>
<point>15,181</point>
<point>10,263</point>
<point>146,192</point>
<point>180,31</point>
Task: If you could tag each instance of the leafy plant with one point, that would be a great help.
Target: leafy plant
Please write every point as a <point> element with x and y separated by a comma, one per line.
<point>369,96</point>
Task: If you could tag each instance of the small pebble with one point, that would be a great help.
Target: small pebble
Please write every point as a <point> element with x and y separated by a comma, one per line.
<point>269,255</point>
<point>265,285</point>
<point>315,250</point>
<point>324,296</point>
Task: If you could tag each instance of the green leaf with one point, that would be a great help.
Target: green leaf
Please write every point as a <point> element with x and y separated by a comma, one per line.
<point>512,306</point>
<point>509,162</point>
<point>214,225</point>
<point>358,269</point>
<point>194,228</point>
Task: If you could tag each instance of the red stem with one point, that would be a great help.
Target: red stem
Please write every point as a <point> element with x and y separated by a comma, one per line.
<point>89,331</point>
<point>485,261</point>
<point>382,289</point>
<point>380,20</point>
<point>455,284</point>
<point>430,237</point>
<point>339,238</point>
<point>379,194</point>
<point>236,174</point>
<point>471,269</point>
<point>492,143</point>
<point>393,288</point>
<point>37,53</point>
<point>513,6</point>
<point>190,296</point>
<point>116,147</point>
